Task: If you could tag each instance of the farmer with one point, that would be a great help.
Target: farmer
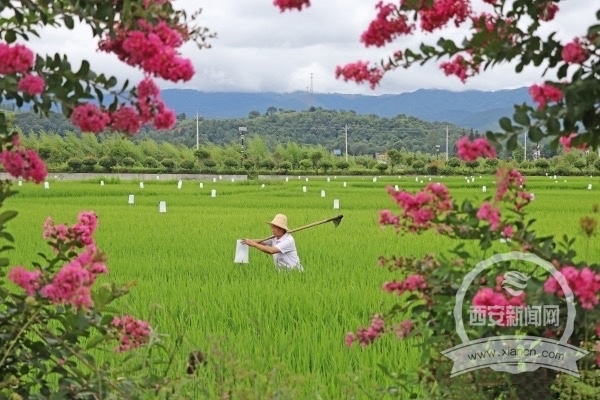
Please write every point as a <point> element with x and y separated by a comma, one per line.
<point>282,246</point>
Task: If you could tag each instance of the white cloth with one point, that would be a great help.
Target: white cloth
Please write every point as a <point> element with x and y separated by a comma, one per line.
<point>288,256</point>
<point>241,253</point>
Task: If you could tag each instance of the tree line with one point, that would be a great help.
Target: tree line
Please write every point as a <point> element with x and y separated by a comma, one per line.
<point>106,153</point>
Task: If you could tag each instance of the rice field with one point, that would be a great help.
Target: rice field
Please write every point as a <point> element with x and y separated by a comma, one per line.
<point>288,327</point>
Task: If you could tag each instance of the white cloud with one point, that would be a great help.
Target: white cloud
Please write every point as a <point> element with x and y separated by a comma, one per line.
<point>260,49</point>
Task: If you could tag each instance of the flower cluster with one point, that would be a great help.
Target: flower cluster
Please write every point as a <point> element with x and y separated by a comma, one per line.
<point>545,93</point>
<point>148,107</point>
<point>366,336</point>
<point>412,283</point>
<point>566,142</point>
<point>291,4</point>
<point>72,283</point>
<point>584,282</point>
<point>25,163</point>
<point>419,210</point>
<point>18,59</point>
<point>133,333</point>
<point>472,150</point>
<point>386,26</point>
<point>152,48</point>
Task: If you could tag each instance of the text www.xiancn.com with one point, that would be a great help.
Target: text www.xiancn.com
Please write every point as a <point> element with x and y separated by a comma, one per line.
<point>481,355</point>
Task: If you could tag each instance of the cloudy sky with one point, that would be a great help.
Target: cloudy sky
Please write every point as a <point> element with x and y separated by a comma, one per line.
<point>260,49</point>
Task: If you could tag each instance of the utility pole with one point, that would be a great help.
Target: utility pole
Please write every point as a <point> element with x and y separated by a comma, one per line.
<point>446,142</point>
<point>525,151</point>
<point>242,129</point>
<point>197,133</point>
<point>311,90</point>
<point>346,130</point>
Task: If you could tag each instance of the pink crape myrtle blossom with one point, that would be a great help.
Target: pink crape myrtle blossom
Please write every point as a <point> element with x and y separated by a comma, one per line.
<point>28,280</point>
<point>487,212</point>
<point>133,333</point>
<point>441,12</point>
<point>472,150</point>
<point>545,93</point>
<point>507,181</point>
<point>152,48</point>
<point>31,84</point>
<point>404,328</point>
<point>72,283</point>
<point>25,163</point>
<point>418,210</point>
<point>149,107</point>
<point>15,59</point>
<point>360,72</point>
<point>547,10</point>
<point>412,283</point>
<point>386,26</point>
<point>291,4</point>
<point>585,284</point>
<point>366,336</point>
<point>574,53</point>
<point>82,231</point>
<point>508,231</point>
<point>566,142</point>
<point>495,305</point>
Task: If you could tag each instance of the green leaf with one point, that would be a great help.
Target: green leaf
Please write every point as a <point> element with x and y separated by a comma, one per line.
<point>83,70</point>
<point>512,142</point>
<point>7,216</point>
<point>68,21</point>
<point>553,125</point>
<point>521,117</point>
<point>4,262</point>
<point>10,36</point>
<point>536,134</point>
<point>506,124</point>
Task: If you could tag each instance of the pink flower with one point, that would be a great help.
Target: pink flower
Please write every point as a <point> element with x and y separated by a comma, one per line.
<point>291,4</point>
<point>544,94</point>
<point>470,151</point>
<point>566,142</point>
<point>89,118</point>
<point>547,11</point>
<point>23,163</point>
<point>420,209</point>
<point>125,119</point>
<point>134,333</point>
<point>28,280</point>
<point>31,84</point>
<point>584,283</point>
<point>442,11</point>
<point>574,53</point>
<point>366,336</point>
<point>412,283</point>
<point>507,180</point>
<point>360,72</point>
<point>386,26</point>
<point>15,59</point>
<point>507,231</point>
<point>459,67</point>
<point>404,328</point>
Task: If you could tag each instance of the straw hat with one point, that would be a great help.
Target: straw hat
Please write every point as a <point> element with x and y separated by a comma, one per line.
<point>280,221</point>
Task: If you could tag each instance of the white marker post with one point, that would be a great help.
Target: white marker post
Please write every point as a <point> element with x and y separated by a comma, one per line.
<point>396,188</point>
<point>336,204</point>
<point>304,189</point>
<point>20,183</point>
<point>262,186</point>
<point>483,189</point>
<point>131,199</point>
<point>344,184</point>
<point>201,185</point>
<point>101,183</point>
<point>375,179</point>
<point>162,207</point>
<point>328,179</point>
<point>213,193</point>
<point>590,186</point>
<point>141,185</point>
<point>179,184</point>
<point>46,185</point>
<point>322,193</point>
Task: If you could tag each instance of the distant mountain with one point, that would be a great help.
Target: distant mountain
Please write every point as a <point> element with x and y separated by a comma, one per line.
<point>479,110</point>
